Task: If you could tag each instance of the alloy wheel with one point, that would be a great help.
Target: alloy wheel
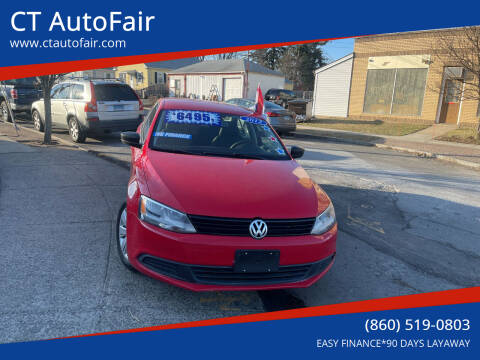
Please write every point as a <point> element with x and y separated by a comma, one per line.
<point>122,233</point>
<point>37,124</point>
<point>74,130</point>
<point>4,113</point>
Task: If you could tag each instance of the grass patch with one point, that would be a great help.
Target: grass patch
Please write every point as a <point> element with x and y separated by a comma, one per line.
<point>371,127</point>
<point>466,136</point>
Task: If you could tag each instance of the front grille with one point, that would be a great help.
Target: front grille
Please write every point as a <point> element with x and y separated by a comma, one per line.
<point>239,227</point>
<point>225,275</point>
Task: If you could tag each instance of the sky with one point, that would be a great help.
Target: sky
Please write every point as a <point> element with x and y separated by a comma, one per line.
<point>336,49</point>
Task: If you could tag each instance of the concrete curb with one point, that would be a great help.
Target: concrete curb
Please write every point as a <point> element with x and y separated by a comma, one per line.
<point>115,161</point>
<point>425,154</point>
<point>334,139</point>
<point>420,153</point>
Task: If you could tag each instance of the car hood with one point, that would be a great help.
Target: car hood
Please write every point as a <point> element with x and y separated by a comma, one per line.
<point>226,187</point>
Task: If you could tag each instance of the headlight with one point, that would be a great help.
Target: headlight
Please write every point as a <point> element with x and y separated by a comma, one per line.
<point>324,221</point>
<point>163,216</point>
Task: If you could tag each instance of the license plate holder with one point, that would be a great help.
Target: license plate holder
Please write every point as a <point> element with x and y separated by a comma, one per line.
<point>256,261</point>
<point>117,107</point>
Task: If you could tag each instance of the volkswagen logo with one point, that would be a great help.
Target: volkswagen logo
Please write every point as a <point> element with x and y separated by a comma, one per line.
<point>258,229</point>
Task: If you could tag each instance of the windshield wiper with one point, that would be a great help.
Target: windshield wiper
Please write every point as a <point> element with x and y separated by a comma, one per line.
<point>177,151</point>
<point>233,155</point>
<point>248,156</point>
<point>211,153</point>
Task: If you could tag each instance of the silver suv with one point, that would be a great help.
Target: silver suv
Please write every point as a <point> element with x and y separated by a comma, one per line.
<point>91,106</point>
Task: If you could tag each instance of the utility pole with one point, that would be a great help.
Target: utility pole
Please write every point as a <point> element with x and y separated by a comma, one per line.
<point>245,93</point>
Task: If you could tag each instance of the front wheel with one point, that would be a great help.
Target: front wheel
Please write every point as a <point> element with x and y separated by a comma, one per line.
<point>37,121</point>
<point>77,133</point>
<point>122,237</point>
<point>4,113</point>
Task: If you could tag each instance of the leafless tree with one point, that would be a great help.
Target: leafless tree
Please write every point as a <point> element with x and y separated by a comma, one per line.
<point>462,48</point>
<point>46,83</point>
<point>224,56</point>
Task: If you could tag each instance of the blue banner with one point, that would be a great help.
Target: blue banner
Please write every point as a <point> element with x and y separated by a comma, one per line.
<point>441,332</point>
<point>34,32</point>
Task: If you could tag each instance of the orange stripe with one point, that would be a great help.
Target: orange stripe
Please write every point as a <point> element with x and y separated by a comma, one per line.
<point>21,71</point>
<point>447,297</point>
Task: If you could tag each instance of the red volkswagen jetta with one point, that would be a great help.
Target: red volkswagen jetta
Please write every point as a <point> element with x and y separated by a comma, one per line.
<point>216,202</point>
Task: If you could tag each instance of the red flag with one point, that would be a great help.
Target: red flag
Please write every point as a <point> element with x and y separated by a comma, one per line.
<point>259,107</point>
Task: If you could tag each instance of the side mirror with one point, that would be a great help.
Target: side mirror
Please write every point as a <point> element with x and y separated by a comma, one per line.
<point>131,138</point>
<point>296,152</point>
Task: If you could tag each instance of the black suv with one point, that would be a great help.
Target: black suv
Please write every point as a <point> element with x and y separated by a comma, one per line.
<point>280,96</point>
<point>20,94</point>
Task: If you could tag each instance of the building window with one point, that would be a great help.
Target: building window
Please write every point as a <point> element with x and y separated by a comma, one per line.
<point>395,91</point>
<point>378,93</point>
<point>156,77</point>
<point>177,88</point>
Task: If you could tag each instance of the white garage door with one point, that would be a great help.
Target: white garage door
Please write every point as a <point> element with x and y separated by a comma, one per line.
<point>232,88</point>
<point>332,88</point>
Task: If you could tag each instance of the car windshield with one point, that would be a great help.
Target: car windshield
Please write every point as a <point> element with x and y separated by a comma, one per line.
<point>216,134</point>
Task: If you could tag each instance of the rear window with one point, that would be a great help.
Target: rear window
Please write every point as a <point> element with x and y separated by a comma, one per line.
<point>272,106</point>
<point>114,92</point>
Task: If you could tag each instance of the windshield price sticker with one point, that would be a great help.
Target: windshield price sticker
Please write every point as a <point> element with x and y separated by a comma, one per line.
<point>193,117</point>
<point>252,120</point>
<point>173,135</point>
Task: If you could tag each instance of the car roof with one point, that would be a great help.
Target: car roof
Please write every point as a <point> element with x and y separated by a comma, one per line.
<point>93,81</point>
<point>202,105</point>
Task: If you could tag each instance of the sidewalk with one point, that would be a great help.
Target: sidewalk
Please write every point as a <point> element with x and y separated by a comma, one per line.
<point>57,214</point>
<point>420,143</point>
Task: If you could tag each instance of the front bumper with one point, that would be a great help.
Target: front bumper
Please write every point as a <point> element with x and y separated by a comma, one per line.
<point>205,262</point>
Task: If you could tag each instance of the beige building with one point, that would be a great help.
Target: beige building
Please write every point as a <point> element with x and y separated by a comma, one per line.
<point>143,75</point>
<point>407,77</point>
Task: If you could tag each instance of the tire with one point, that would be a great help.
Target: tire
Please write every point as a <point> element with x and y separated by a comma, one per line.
<point>4,113</point>
<point>121,237</point>
<point>37,121</point>
<point>77,133</point>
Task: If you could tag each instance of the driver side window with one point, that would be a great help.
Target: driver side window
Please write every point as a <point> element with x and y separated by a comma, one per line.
<point>54,94</point>
<point>147,122</point>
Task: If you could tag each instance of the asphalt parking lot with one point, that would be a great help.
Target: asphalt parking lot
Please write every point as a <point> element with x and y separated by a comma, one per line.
<point>406,225</point>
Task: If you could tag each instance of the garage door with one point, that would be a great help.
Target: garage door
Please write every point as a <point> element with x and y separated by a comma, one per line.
<point>232,88</point>
<point>332,88</point>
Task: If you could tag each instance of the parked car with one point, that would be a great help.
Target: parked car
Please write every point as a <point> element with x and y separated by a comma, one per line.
<point>283,121</point>
<point>280,96</point>
<point>215,201</point>
<point>91,106</point>
<point>20,94</point>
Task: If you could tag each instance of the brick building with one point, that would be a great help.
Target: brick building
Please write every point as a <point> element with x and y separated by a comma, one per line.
<point>407,77</point>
